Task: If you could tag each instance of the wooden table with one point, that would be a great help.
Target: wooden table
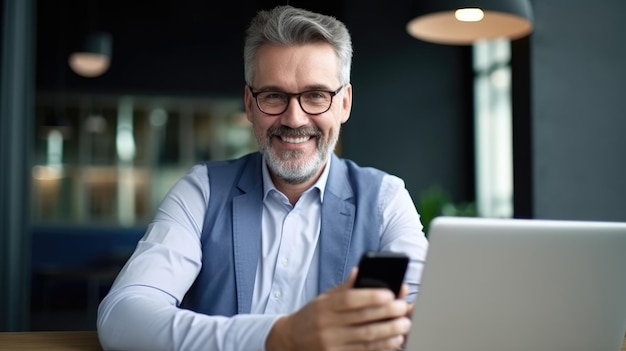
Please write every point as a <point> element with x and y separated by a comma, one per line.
<point>62,341</point>
<point>50,341</point>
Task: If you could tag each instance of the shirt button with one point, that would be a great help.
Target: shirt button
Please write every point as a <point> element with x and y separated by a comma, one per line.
<point>278,294</point>
<point>283,262</point>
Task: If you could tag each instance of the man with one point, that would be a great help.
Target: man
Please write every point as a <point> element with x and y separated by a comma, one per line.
<point>258,253</point>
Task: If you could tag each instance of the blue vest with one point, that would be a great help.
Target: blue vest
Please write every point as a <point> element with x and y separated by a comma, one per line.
<point>231,235</point>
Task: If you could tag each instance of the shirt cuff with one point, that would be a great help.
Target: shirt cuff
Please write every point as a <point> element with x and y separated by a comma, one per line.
<point>252,330</point>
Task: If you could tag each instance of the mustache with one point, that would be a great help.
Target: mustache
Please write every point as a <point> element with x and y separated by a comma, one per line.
<point>294,132</point>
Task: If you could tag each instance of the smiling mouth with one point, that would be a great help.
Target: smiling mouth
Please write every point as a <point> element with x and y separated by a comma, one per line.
<point>294,136</point>
<point>294,139</point>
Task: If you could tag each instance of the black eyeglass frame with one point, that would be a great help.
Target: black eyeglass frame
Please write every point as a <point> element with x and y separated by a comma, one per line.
<point>299,96</point>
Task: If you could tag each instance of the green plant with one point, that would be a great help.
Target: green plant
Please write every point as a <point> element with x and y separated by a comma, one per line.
<point>436,201</point>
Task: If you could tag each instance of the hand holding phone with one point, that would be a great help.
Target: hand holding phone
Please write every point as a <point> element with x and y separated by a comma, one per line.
<point>383,269</point>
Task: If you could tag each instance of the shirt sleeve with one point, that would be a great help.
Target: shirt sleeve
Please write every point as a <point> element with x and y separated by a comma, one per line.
<point>402,230</point>
<point>141,311</point>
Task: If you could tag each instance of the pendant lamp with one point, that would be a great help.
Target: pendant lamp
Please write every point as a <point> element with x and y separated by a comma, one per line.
<point>462,22</point>
<point>94,57</point>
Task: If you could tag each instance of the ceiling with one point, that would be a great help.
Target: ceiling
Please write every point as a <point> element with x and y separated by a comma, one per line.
<point>185,47</point>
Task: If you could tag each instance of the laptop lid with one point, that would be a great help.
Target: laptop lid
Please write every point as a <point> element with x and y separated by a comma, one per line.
<point>521,285</point>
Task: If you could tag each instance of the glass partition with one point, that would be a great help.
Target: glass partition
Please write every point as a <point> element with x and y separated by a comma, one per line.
<point>111,159</point>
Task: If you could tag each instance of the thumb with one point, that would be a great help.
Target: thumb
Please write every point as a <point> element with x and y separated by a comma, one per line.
<point>349,282</point>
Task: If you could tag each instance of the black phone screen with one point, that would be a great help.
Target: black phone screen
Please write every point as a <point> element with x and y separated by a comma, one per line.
<point>382,270</point>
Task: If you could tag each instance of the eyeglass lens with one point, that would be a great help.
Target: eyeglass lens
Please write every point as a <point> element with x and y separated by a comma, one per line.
<point>311,102</point>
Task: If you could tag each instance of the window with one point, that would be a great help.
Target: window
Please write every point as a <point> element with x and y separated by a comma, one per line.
<point>493,126</point>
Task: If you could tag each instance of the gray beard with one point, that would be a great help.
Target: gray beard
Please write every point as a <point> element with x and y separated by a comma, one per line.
<point>288,167</point>
<point>289,170</point>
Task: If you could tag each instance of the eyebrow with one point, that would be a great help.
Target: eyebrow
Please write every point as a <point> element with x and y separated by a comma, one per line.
<point>306,88</point>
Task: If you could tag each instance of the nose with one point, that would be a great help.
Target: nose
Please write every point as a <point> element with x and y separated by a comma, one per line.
<point>294,116</point>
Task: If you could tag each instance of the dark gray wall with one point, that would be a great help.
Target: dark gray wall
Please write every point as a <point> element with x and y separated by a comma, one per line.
<point>412,113</point>
<point>579,109</point>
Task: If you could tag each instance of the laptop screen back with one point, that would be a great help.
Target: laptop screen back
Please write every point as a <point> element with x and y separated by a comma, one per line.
<point>520,285</point>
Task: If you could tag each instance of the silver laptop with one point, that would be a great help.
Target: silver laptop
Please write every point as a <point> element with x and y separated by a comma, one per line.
<point>521,285</point>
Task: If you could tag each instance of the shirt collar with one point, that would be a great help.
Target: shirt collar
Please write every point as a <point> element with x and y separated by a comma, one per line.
<point>320,184</point>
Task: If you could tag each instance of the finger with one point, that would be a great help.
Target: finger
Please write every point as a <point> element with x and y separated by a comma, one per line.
<point>344,297</point>
<point>409,310</point>
<point>348,283</point>
<point>404,291</point>
<point>355,299</point>
<point>379,332</point>
<point>394,343</point>
<point>353,273</point>
<point>391,310</point>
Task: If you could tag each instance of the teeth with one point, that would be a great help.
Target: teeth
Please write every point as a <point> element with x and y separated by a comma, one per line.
<point>295,140</point>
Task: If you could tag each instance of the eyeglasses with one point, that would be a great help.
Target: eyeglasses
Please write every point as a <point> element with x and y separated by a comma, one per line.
<point>313,102</point>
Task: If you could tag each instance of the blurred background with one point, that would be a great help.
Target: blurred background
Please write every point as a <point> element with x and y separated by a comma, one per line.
<point>529,128</point>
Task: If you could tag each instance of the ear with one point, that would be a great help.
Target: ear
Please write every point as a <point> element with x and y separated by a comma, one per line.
<point>248,101</point>
<point>346,103</point>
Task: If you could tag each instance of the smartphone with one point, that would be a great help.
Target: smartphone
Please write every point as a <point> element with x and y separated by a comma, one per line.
<point>383,269</point>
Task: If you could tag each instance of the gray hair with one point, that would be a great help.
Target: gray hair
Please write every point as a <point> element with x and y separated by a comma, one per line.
<point>287,26</point>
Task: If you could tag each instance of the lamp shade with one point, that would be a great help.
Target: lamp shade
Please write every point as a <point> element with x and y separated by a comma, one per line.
<point>94,57</point>
<point>462,22</point>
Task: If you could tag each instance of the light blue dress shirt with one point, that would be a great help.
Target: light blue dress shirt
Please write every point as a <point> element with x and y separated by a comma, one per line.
<point>140,312</point>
